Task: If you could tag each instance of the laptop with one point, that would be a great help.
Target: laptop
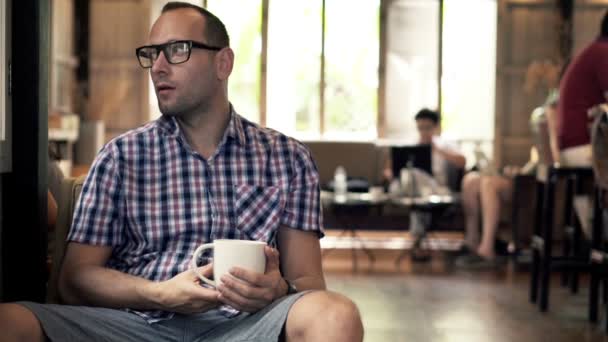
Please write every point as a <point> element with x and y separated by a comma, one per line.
<point>418,155</point>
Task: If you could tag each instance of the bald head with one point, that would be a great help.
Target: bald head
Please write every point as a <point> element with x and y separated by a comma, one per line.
<point>214,31</point>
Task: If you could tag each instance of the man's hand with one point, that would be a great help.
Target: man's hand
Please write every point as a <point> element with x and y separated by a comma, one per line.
<point>184,293</point>
<point>249,291</point>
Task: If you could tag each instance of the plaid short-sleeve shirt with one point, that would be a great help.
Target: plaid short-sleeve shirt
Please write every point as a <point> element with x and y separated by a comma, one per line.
<point>154,200</point>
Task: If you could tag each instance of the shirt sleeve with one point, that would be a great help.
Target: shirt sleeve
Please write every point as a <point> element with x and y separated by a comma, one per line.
<point>302,207</point>
<point>97,216</point>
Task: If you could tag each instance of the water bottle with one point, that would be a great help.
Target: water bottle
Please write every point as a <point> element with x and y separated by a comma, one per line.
<point>340,185</point>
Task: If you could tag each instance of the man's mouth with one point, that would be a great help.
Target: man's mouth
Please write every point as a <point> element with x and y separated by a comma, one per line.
<point>164,88</point>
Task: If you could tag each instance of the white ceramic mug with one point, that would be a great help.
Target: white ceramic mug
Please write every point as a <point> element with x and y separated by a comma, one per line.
<point>245,254</point>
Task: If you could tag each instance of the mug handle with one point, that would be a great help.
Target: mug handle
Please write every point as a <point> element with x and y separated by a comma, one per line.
<point>194,266</point>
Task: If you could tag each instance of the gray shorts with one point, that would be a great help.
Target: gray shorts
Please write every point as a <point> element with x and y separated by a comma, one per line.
<point>81,323</point>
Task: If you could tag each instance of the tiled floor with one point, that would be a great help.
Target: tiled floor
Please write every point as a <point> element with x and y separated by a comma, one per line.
<point>437,302</point>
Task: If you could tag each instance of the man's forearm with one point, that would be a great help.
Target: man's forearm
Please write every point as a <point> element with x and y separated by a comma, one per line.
<point>101,286</point>
<point>453,157</point>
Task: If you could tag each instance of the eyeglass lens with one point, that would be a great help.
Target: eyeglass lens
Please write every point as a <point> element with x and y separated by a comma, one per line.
<point>176,52</point>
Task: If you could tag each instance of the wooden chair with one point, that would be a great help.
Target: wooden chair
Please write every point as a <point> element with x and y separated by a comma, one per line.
<point>523,207</point>
<point>598,255</point>
<point>573,260</point>
<point>599,250</point>
<point>70,191</point>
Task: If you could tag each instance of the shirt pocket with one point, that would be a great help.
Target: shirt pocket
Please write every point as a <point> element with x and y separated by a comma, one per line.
<point>258,211</point>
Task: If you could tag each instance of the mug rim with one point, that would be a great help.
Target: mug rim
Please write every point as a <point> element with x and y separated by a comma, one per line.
<point>251,242</point>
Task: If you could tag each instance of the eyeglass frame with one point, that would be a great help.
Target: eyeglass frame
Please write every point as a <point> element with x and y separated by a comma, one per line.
<point>162,48</point>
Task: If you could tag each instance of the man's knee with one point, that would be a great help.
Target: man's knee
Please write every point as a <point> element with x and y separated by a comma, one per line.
<point>328,313</point>
<point>17,323</point>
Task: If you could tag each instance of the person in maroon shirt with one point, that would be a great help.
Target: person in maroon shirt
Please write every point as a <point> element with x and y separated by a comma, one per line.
<point>583,86</point>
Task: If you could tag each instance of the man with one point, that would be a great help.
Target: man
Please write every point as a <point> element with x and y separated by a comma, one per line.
<point>583,86</point>
<point>199,173</point>
<point>443,157</point>
<point>443,154</point>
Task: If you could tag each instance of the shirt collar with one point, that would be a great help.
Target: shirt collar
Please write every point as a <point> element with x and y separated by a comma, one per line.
<point>169,127</point>
<point>235,128</point>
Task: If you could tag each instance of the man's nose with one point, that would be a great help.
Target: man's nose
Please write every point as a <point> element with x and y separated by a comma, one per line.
<point>161,63</point>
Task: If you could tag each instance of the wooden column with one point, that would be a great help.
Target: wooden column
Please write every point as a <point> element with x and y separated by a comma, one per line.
<point>118,86</point>
<point>24,189</point>
<point>527,32</point>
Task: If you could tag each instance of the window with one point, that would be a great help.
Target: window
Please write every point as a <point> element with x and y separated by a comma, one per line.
<point>293,67</point>
<point>351,68</point>
<point>348,64</point>
<point>243,19</point>
<point>412,63</point>
<point>469,70</point>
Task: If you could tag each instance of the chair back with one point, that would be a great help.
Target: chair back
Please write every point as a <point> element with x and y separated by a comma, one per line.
<point>599,147</point>
<point>68,197</point>
<point>542,141</point>
<point>455,175</point>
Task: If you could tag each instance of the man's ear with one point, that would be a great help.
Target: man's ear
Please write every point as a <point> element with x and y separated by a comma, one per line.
<point>224,61</point>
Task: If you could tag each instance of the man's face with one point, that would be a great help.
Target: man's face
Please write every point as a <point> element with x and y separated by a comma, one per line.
<point>190,86</point>
<point>426,128</point>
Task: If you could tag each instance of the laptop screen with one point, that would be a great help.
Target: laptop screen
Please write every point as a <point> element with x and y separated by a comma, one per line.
<point>418,155</point>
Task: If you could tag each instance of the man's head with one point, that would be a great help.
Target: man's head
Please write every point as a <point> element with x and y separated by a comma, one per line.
<point>189,58</point>
<point>427,122</point>
<point>604,27</point>
<point>215,32</point>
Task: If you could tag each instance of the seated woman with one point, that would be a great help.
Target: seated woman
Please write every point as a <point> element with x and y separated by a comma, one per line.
<point>486,195</point>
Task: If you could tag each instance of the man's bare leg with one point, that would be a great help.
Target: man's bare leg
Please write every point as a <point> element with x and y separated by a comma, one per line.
<point>324,316</point>
<point>17,323</point>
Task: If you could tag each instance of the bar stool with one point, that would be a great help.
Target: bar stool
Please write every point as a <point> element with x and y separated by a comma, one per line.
<point>598,255</point>
<point>599,251</point>
<point>521,228</point>
<point>543,260</point>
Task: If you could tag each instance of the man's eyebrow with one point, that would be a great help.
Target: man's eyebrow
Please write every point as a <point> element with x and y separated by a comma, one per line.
<point>167,41</point>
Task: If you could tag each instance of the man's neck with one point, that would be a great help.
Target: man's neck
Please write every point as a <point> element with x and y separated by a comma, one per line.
<point>204,130</point>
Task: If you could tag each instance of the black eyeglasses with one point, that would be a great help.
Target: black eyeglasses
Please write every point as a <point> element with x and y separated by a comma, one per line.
<point>175,52</point>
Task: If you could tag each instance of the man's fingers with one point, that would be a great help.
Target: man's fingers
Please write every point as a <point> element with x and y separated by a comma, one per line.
<point>204,294</point>
<point>206,271</point>
<point>243,289</point>
<point>253,278</point>
<point>228,301</point>
<point>272,259</point>
<point>232,298</point>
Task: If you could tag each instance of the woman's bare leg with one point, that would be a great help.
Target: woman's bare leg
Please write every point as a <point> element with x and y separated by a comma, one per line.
<point>495,190</point>
<point>470,202</point>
